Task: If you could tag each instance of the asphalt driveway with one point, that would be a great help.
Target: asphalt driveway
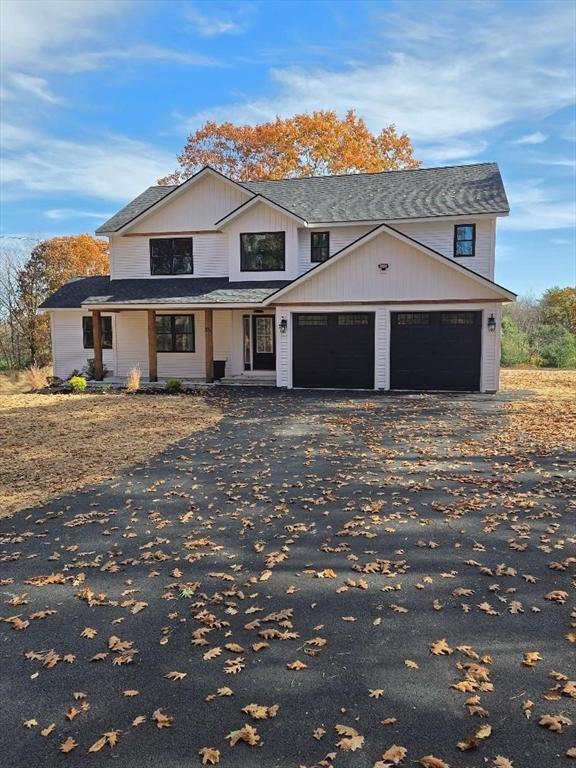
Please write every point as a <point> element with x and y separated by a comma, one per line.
<point>306,555</point>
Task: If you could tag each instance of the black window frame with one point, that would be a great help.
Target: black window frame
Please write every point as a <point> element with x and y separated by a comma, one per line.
<point>105,332</point>
<point>243,268</point>
<point>457,240</point>
<point>173,333</point>
<point>314,248</point>
<point>154,271</point>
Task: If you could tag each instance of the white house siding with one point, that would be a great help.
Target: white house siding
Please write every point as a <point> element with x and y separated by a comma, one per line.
<point>222,332</point>
<point>130,256</point>
<point>490,355</point>
<point>132,348</point>
<point>340,237</point>
<point>263,218</point>
<point>439,235</point>
<point>199,206</point>
<point>411,275</point>
<point>67,343</point>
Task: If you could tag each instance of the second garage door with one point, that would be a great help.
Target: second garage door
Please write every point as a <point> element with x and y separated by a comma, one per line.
<point>436,350</point>
<point>334,350</point>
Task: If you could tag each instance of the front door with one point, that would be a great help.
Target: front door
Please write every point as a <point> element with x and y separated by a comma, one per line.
<point>264,346</point>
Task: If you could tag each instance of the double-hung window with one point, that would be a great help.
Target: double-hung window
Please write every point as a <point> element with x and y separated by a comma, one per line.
<point>88,332</point>
<point>263,252</point>
<point>464,240</point>
<point>175,333</point>
<point>171,256</point>
<point>319,246</point>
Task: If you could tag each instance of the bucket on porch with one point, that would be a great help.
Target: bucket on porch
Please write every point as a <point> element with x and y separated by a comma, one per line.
<point>219,369</point>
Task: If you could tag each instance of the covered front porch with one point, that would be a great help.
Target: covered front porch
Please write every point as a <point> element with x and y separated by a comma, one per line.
<point>197,345</point>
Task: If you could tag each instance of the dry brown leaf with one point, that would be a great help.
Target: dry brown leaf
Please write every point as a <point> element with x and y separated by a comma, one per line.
<point>138,721</point>
<point>247,734</point>
<point>394,755</point>
<point>68,745</point>
<point>429,761</point>
<point>531,658</point>
<point>130,693</point>
<point>297,665</point>
<point>351,743</point>
<point>555,723</point>
<point>209,755</point>
<point>161,719</point>
<point>89,632</point>
<point>48,730</point>
<point>441,648</point>
<point>30,723</point>
<point>376,693</point>
<point>318,733</point>
<point>502,762</point>
<point>175,675</point>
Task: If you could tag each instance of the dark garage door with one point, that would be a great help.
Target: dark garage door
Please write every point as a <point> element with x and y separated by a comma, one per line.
<point>435,350</point>
<point>333,349</point>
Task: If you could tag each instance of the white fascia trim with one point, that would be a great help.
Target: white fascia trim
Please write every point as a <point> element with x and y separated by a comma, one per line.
<point>403,238</point>
<point>207,171</point>
<point>241,210</point>
<point>168,307</point>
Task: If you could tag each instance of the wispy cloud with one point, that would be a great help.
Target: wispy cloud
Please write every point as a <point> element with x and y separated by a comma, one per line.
<point>115,168</point>
<point>535,206</point>
<point>531,138</point>
<point>437,93</point>
<point>61,214</point>
<point>229,21</point>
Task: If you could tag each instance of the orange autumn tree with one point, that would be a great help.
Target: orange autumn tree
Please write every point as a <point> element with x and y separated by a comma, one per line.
<point>315,144</point>
<point>52,263</point>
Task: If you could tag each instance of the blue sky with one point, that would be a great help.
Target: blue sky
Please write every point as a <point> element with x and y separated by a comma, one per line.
<point>99,95</point>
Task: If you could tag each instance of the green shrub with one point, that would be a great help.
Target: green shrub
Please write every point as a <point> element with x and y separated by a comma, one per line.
<point>77,384</point>
<point>515,344</point>
<point>173,386</point>
<point>89,373</point>
<point>554,346</point>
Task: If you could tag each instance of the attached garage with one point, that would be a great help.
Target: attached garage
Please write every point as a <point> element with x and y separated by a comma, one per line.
<point>333,350</point>
<point>435,350</point>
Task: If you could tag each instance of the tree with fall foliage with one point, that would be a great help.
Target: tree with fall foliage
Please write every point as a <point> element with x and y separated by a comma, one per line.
<point>51,264</point>
<point>315,144</point>
<point>559,307</point>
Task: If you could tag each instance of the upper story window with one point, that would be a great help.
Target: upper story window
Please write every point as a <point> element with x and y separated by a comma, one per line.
<point>171,256</point>
<point>88,333</point>
<point>464,240</point>
<point>175,333</point>
<point>263,252</point>
<point>319,246</point>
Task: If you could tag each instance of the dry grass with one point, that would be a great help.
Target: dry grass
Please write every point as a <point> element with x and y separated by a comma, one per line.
<point>548,414</point>
<point>133,379</point>
<point>54,444</point>
<point>36,377</point>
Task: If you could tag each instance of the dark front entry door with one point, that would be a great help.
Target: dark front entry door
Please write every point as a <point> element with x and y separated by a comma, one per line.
<point>334,350</point>
<point>436,350</point>
<point>264,343</point>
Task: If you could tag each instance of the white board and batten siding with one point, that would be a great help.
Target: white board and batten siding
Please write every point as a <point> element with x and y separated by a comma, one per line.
<point>68,343</point>
<point>339,238</point>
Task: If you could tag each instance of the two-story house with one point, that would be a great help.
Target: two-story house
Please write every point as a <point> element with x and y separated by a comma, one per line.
<point>369,281</point>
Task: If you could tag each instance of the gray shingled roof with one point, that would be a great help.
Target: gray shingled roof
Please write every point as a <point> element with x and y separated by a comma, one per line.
<point>388,196</point>
<point>169,291</point>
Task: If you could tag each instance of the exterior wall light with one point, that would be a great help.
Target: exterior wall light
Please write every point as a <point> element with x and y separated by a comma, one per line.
<point>492,323</point>
<point>383,267</point>
<point>283,325</point>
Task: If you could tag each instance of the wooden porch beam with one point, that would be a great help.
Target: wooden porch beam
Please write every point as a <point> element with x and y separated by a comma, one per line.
<point>209,344</point>
<point>152,352</point>
<point>97,339</point>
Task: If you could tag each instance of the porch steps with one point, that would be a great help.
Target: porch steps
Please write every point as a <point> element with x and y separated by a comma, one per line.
<point>247,381</point>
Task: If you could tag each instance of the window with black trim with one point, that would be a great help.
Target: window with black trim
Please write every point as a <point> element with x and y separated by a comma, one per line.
<point>352,319</point>
<point>457,318</point>
<point>263,251</point>
<point>412,318</point>
<point>88,333</point>
<point>171,256</point>
<point>319,246</point>
<point>464,239</point>
<point>175,333</point>
<point>312,320</point>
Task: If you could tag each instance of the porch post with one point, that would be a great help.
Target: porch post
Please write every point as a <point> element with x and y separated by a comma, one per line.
<point>152,354</point>
<point>209,345</point>
<point>97,338</point>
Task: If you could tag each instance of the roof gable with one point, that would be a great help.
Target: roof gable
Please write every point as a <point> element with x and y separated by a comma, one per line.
<point>367,273</point>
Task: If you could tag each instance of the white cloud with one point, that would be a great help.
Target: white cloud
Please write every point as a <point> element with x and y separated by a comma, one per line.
<point>536,207</point>
<point>234,22</point>
<point>472,75</point>
<point>117,168</point>
<point>531,138</point>
<point>60,214</point>
<point>450,151</point>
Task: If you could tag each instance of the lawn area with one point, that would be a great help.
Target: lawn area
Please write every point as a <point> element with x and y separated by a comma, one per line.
<point>306,579</point>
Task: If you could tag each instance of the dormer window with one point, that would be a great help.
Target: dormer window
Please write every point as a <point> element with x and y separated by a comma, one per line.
<point>464,240</point>
<point>319,246</point>
<point>171,256</point>
<point>263,252</point>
